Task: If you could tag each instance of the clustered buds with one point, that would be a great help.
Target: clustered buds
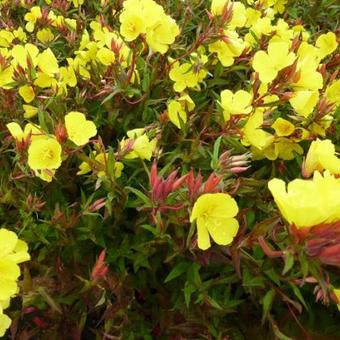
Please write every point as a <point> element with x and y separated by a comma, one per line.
<point>235,164</point>
<point>162,187</point>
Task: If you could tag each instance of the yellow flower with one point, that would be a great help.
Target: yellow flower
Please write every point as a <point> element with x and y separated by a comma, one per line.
<point>304,101</point>
<point>44,153</point>
<point>253,16</point>
<point>20,34</point>
<point>269,64</point>
<point>48,63</point>
<point>283,127</point>
<point>77,3</point>
<point>132,24</point>
<point>177,113</point>
<point>307,203</point>
<point>308,62</point>
<point>239,17</point>
<point>253,134</point>
<point>238,12</point>
<point>283,148</point>
<point>147,17</point>
<point>30,111</point>
<point>327,44</point>
<point>283,31</point>
<point>184,76</point>
<point>217,6</point>
<point>27,93</point>
<point>105,56</point>
<point>6,77</point>
<point>278,5</point>
<point>45,174</point>
<point>79,129</point>
<point>162,34</point>
<point>45,35</point>
<point>186,102</point>
<point>227,50</point>
<point>102,159</point>
<point>337,294</point>
<point>21,54</point>
<point>321,156</point>
<point>12,252</point>
<point>333,92</point>
<point>142,146</point>
<point>5,322</point>
<point>44,80</point>
<point>20,135</point>
<point>67,76</point>
<point>259,26</point>
<point>236,103</point>
<point>6,38</point>
<point>32,18</point>
<point>215,217</point>
<point>177,109</point>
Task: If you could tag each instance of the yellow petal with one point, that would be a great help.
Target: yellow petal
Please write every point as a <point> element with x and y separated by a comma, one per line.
<point>27,93</point>
<point>223,230</point>
<point>15,130</point>
<point>8,241</point>
<point>30,111</point>
<point>203,239</point>
<point>79,129</point>
<point>48,63</point>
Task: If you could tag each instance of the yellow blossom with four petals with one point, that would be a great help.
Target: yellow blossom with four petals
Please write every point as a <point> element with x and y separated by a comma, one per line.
<point>214,215</point>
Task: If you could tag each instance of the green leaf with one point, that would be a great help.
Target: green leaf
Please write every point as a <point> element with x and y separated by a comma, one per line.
<point>271,273</point>
<point>188,290</point>
<point>178,270</point>
<point>213,303</point>
<point>267,303</point>
<point>304,264</point>
<point>111,95</point>
<point>140,195</point>
<point>298,294</point>
<point>214,160</point>
<point>289,262</point>
<point>280,335</point>
<point>51,302</point>
<point>148,227</point>
<point>252,281</point>
<point>193,274</point>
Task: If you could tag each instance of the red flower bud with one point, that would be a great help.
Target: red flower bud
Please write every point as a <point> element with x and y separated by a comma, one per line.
<point>100,269</point>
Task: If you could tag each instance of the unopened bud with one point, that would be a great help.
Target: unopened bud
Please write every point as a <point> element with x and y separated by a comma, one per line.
<point>239,170</point>
<point>61,133</point>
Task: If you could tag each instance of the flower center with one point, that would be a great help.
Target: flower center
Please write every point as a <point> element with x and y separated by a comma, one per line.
<point>48,154</point>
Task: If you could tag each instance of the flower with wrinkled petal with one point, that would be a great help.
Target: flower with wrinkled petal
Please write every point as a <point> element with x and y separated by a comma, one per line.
<point>12,252</point>
<point>236,103</point>
<point>268,64</point>
<point>79,129</point>
<point>321,156</point>
<point>307,203</point>
<point>214,215</point>
<point>44,153</point>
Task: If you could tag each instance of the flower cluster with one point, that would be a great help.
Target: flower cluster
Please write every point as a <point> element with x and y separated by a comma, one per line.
<point>149,132</point>
<point>45,150</point>
<point>147,18</point>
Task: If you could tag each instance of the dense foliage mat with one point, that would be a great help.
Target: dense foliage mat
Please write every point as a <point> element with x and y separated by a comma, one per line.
<point>169,169</point>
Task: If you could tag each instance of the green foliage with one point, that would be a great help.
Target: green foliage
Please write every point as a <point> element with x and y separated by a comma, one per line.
<point>153,282</point>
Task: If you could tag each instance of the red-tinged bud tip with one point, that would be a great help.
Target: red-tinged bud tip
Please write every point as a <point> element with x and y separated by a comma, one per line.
<point>100,269</point>
<point>61,133</point>
<point>239,170</point>
<point>153,174</point>
<point>304,171</point>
